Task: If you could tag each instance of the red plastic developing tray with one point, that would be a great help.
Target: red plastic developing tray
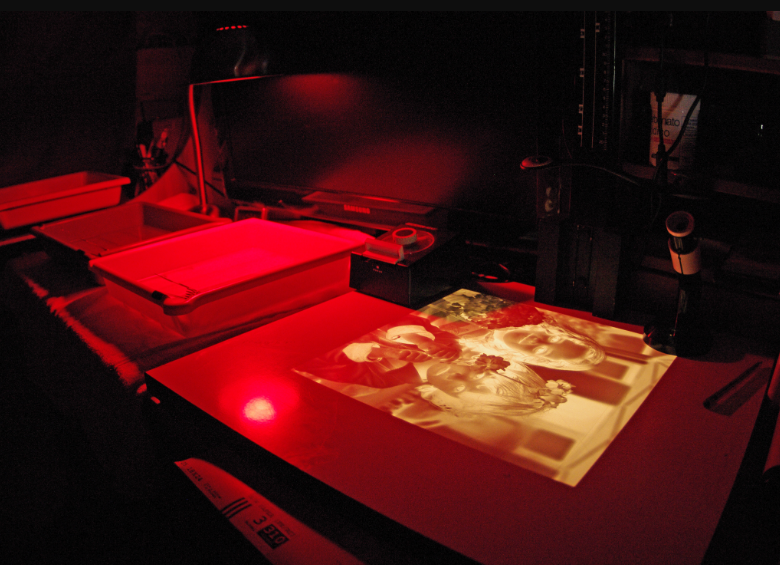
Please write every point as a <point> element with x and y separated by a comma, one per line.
<point>228,275</point>
<point>57,197</point>
<point>78,240</point>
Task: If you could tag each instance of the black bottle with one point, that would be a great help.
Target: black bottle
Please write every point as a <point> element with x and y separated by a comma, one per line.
<point>687,333</point>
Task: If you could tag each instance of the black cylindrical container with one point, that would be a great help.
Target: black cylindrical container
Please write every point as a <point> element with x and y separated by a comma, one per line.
<point>687,334</point>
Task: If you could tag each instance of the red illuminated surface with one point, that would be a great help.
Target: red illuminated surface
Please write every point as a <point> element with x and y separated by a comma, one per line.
<point>654,496</point>
<point>421,158</point>
<point>345,133</point>
<point>259,409</point>
<point>259,402</point>
<point>545,391</point>
<point>381,199</point>
<point>228,275</point>
<point>424,162</point>
<point>322,93</point>
<point>270,408</point>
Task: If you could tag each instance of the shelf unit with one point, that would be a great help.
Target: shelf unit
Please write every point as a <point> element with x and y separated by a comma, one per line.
<point>739,124</point>
<point>724,61</point>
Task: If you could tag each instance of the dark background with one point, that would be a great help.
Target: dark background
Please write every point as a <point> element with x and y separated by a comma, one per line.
<point>69,79</point>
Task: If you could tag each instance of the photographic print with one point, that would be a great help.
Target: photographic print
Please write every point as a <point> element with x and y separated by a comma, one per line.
<point>543,390</point>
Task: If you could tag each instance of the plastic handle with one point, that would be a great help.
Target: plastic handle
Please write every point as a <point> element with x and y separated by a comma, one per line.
<point>383,251</point>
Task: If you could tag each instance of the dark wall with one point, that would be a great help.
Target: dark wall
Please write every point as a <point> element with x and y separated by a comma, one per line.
<point>67,89</point>
<point>68,78</point>
<point>514,62</point>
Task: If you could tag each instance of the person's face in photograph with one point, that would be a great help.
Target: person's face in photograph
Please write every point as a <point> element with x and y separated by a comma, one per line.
<point>537,342</point>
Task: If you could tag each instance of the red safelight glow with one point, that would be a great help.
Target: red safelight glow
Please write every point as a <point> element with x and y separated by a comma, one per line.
<point>323,94</point>
<point>420,164</point>
<point>259,410</point>
<point>258,401</point>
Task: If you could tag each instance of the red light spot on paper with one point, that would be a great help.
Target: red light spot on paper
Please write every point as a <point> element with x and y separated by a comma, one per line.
<point>257,400</point>
<point>259,410</point>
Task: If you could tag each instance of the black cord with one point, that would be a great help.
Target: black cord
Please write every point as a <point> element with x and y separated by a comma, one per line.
<point>661,155</point>
<point>186,168</point>
<point>662,160</point>
<point>540,163</point>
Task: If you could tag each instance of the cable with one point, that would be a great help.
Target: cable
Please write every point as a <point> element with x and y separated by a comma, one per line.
<point>195,174</point>
<point>663,159</point>
<point>539,162</point>
<point>662,156</point>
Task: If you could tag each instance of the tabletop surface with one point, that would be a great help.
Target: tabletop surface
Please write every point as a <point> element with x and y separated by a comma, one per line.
<point>655,494</point>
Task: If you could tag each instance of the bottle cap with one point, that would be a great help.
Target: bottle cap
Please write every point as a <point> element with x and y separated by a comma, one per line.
<point>679,224</point>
